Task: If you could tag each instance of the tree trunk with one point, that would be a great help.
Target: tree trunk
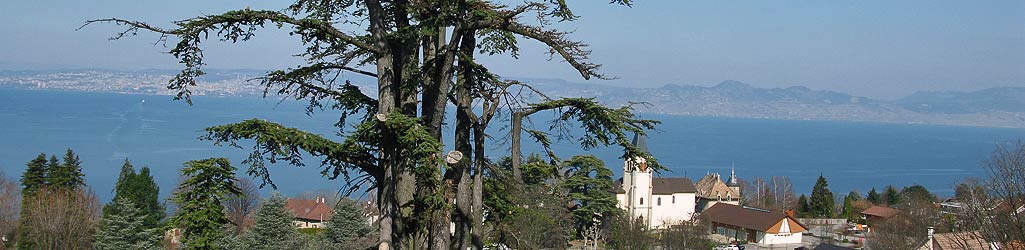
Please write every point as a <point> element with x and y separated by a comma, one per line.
<point>464,130</point>
<point>515,134</point>
<point>477,205</point>
<point>390,225</point>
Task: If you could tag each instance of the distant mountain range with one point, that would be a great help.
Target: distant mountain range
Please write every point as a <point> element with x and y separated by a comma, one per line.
<point>994,107</point>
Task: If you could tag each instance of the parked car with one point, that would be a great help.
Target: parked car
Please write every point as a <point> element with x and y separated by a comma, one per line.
<point>729,247</point>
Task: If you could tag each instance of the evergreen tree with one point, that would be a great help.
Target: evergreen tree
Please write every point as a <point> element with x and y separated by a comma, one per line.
<point>874,197</point>
<point>848,205</point>
<point>32,181</point>
<point>423,55</point>
<point>891,196</point>
<point>917,194</point>
<point>147,197</point>
<point>141,190</point>
<point>821,203</point>
<point>123,179</point>
<point>588,182</point>
<point>347,223</point>
<point>54,173</point>
<point>200,214</point>
<point>34,177</point>
<point>72,169</point>
<point>121,188</point>
<point>803,209</point>
<point>125,229</point>
<point>274,229</point>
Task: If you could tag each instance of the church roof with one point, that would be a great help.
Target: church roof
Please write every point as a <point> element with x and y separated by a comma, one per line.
<point>641,143</point>
<point>661,186</point>
<point>672,186</point>
<point>732,182</point>
<point>712,187</point>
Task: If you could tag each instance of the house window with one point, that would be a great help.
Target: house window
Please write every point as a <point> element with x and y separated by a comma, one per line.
<point>674,199</point>
<point>658,201</point>
<point>642,201</point>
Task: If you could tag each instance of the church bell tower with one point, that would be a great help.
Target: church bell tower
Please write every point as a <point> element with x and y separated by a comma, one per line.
<point>637,183</point>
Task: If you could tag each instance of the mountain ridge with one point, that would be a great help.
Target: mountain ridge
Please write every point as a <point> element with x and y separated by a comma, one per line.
<point>992,107</point>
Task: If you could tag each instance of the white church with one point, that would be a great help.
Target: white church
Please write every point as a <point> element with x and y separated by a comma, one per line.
<point>661,202</point>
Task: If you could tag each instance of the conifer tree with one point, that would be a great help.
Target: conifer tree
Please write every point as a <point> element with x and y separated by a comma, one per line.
<point>588,182</point>
<point>347,223</point>
<point>54,173</point>
<point>72,171</point>
<point>891,195</point>
<point>873,197</point>
<point>917,194</point>
<point>802,206</point>
<point>34,177</point>
<point>200,214</point>
<point>33,180</point>
<point>422,56</point>
<point>125,229</point>
<point>65,176</point>
<point>821,203</point>
<point>141,190</point>
<point>848,205</point>
<point>120,188</point>
<point>147,197</point>
<point>274,229</point>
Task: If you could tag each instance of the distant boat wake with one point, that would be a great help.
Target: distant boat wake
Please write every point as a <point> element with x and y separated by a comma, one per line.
<point>130,120</point>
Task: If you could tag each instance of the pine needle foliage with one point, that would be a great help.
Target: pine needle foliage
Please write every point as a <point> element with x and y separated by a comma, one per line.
<point>200,214</point>
<point>126,229</point>
<point>274,229</point>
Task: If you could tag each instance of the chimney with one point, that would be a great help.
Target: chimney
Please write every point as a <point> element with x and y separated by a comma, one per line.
<point>929,243</point>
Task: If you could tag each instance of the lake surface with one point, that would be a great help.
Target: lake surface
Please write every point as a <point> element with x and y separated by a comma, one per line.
<point>155,131</point>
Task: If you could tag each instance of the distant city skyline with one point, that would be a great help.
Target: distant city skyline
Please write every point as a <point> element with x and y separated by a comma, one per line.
<point>881,49</point>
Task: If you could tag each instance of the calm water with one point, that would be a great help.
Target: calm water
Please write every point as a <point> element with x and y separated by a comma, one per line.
<point>157,132</point>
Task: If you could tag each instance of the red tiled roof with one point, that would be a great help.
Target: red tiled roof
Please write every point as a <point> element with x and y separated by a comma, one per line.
<point>309,209</point>
<point>880,211</point>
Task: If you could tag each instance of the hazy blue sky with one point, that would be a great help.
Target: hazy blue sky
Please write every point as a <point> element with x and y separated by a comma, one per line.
<point>874,48</point>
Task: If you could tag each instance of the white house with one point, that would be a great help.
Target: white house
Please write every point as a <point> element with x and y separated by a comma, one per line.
<point>658,202</point>
<point>310,213</point>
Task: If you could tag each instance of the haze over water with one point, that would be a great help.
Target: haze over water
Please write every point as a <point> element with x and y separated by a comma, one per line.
<point>160,133</point>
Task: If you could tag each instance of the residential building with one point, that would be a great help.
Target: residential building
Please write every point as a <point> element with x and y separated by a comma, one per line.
<point>957,240</point>
<point>877,213</point>
<point>711,190</point>
<point>753,225</point>
<point>310,213</point>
